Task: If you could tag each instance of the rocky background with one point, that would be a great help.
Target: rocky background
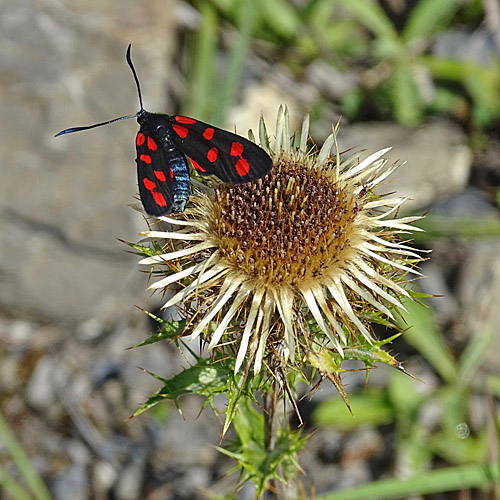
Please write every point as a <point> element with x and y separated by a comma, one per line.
<point>68,287</point>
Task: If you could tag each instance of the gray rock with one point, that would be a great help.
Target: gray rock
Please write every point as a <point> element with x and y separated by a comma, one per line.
<point>18,332</point>
<point>194,480</point>
<point>64,200</point>
<point>479,296</point>
<point>437,159</point>
<point>189,441</point>
<point>330,80</point>
<point>130,481</point>
<point>43,386</point>
<point>103,477</point>
<point>472,202</point>
<point>444,303</point>
<point>49,277</point>
<point>479,46</point>
<point>72,483</point>
<point>329,445</point>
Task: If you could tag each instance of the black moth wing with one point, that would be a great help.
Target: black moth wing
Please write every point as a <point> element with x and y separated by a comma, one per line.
<point>155,177</point>
<point>214,151</point>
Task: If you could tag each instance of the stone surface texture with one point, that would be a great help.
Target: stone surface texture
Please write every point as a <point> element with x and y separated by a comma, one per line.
<point>64,199</point>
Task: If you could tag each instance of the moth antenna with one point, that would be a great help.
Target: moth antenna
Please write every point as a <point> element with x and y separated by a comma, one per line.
<point>79,129</point>
<point>129,61</point>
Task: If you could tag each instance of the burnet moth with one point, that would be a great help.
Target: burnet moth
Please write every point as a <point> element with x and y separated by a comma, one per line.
<point>163,143</point>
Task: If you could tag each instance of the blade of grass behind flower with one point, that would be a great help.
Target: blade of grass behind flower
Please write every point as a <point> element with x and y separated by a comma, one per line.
<point>411,443</point>
<point>404,94</point>
<point>455,398</point>
<point>19,457</point>
<point>438,481</point>
<point>232,77</point>
<point>481,82</point>
<point>429,17</point>
<point>442,226</point>
<point>424,335</point>
<point>473,356</point>
<point>281,17</point>
<point>204,52</point>
<point>493,384</point>
<point>369,407</point>
<point>372,16</point>
<point>12,487</point>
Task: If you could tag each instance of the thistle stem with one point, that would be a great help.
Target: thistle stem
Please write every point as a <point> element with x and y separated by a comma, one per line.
<point>269,420</point>
<point>270,432</point>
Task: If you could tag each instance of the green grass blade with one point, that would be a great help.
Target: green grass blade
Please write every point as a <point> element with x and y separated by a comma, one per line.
<point>442,226</point>
<point>493,384</point>
<point>204,52</point>
<point>19,457</point>
<point>404,95</point>
<point>450,479</point>
<point>372,16</point>
<point>281,17</point>
<point>429,17</point>
<point>12,487</point>
<point>482,83</point>
<point>371,407</point>
<point>232,77</point>
<point>411,447</point>
<point>424,335</point>
<point>473,356</point>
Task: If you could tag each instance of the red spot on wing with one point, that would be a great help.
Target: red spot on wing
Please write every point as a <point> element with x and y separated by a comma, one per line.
<point>140,139</point>
<point>149,185</point>
<point>185,119</point>
<point>197,166</point>
<point>171,173</point>
<point>152,144</point>
<point>159,198</point>
<point>242,167</point>
<point>208,134</point>
<point>212,155</point>
<point>145,159</point>
<point>180,131</point>
<point>160,175</point>
<point>236,149</point>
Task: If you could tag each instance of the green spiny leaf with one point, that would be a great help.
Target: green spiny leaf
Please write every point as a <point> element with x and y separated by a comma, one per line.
<point>143,250</point>
<point>171,330</point>
<point>239,390</point>
<point>255,462</point>
<point>206,378</point>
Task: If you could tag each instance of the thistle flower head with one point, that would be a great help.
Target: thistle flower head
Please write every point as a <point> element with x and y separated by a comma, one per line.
<point>298,261</point>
